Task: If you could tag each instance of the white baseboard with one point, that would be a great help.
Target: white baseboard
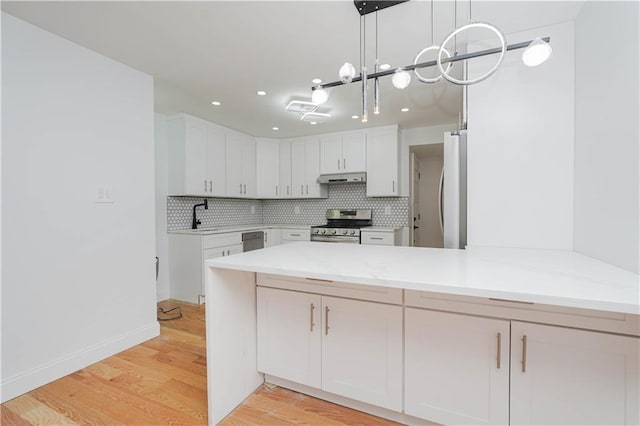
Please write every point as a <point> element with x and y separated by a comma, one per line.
<point>348,402</point>
<point>26,381</point>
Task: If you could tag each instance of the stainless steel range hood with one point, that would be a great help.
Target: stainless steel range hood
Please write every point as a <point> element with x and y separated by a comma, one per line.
<point>343,178</point>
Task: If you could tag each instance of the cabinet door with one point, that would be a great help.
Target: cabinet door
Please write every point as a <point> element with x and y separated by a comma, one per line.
<point>196,177</point>
<point>362,351</point>
<point>216,161</point>
<point>268,170</point>
<point>272,237</point>
<point>298,168</point>
<point>234,165</point>
<point>382,162</point>
<point>312,168</point>
<point>248,167</point>
<point>285,170</point>
<point>331,154</point>
<point>456,368</point>
<point>289,336</point>
<point>567,376</point>
<point>354,152</point>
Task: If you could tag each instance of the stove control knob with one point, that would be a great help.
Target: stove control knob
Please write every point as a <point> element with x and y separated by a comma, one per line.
<point>323,232</point>
<point>345,232</point>
<point>333,232</point>
<point>352,232</point>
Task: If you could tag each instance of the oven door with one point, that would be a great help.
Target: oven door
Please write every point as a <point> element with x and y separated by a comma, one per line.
<point>336,239</point>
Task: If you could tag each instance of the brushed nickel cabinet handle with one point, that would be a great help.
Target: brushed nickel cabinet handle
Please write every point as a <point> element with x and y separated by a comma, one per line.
<point>338,164</point>
<point>326,320</point>
<point>499,338</point>
<point>245,188</point>
<point>344,164</point>
<point>393,186</point>
<point>287,189</point>
<point>295,235</point>
<point>210,186</point>
<point>375,238</point>
<point>318,279</point>
<point>223,252</point>
<point>205,185</point>
<point>311,319</point>
<point>301,189</point>
<point>524,354</point>
<point>241,188</point>
<point>276,189</point>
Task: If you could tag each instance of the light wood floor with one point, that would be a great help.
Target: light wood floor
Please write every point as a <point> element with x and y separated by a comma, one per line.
<point>164,381</point>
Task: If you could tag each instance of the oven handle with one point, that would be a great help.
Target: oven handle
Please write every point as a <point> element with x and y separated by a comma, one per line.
<point>352,240</point>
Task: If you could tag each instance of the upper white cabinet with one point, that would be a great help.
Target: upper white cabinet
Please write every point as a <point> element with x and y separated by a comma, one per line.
<point>241,165</point>
<point>566,376</point>
<point>268,168</point>
<point>197,157</point>
<point>305,169</point>
<point>343,152</point>
<point>456,368</point>
<point>285,188</point>
<point>382,162</point>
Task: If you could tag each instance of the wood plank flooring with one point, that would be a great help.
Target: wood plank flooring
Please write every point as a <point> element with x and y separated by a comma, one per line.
<point>164,382</point>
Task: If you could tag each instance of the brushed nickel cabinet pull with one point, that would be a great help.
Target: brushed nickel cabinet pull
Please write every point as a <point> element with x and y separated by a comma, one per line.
<point>318,279</point>
<point>301,189</point>
<point>307,189</point>
<point>223,252</point>
<point>297,235</point>
<point>287,189</point>
<point>338,164</point>
<point>241,188</point>
<point>245,188</point>
<point>393,186</point>
<point>499,350</point>
<point>210,186</point>
<point>276,189</point>
<point>344,164</point>
<point>205,185</point>
<point>326,320</point>
<point>510,301</point>
<point>311,320</point>
<point>524,354</point>
<point>375,238</point>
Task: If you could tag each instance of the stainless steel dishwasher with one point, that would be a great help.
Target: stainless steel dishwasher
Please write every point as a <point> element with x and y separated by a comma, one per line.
<point>252,240</point>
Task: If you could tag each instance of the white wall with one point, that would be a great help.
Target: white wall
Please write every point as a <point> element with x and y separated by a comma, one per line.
<point>520,148</point>
<point>606,146</point>
<point>78,279</point>
<point>162,191</point>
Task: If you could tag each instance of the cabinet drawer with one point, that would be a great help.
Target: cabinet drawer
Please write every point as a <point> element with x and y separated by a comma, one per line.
<point>296,234</point>
<point>377,238</point>
<point>332,288</point>
<point>213,253</point>
<point>220,240</point>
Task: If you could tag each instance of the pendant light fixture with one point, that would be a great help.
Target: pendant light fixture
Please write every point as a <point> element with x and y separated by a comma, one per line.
<point>376,82</point>
<point>431,48</point>
<point>536,53</point>
<point>363,67</point>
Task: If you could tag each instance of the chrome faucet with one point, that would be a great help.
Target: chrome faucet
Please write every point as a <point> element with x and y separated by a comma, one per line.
<point>195,222</point>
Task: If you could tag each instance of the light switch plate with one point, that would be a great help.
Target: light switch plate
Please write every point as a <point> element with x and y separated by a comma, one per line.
<point>104,194</point>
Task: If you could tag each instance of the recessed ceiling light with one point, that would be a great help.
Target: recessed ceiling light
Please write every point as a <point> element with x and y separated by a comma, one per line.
<point>354,116</point>
<point>385,67</point>
<point>275,128</point>
<point>261,93</point>
<point>316,81</point>
<point>313,123</point>
<point>404,109</point>
<point>216,103</point>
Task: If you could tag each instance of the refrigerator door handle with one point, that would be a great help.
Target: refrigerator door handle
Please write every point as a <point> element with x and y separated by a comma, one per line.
<point>440,212</point>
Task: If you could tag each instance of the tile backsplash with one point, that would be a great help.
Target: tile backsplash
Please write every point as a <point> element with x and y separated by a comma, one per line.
<point>231,211</point>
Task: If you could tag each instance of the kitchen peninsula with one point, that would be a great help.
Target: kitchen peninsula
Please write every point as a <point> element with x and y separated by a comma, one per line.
<point>418,335</point>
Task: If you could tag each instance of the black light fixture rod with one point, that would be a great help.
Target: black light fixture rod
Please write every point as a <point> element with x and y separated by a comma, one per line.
<point>456,58</point>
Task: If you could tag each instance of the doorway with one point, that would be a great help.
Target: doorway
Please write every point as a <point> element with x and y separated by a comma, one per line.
<point>425,195</point>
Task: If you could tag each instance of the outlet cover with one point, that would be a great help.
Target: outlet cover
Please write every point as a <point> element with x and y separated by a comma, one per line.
<point>296,210</point>
<point>104,194</point>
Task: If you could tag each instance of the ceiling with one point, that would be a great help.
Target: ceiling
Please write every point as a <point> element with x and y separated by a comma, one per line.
<point>228,50</point>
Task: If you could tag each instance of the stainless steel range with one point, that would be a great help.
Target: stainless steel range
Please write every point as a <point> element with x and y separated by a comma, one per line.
<point>343,226</point>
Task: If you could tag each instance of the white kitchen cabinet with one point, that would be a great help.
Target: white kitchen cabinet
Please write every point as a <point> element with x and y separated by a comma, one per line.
<point>343,152</point>
<point>305,169</point>
<point>272,237</point>
<point>196,157</point>
<point>362,351</point>
<point>268,169</point>
<point>456,368</point>
<point>241,165</point>
<point>187,254</point>
<point>382,162</point>
<point>293,235</point>
<point>285,170</point>
<point>567,376</point>
<point>289,335</point>
<point>388,237</point>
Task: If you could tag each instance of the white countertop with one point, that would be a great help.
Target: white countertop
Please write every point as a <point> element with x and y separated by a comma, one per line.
<point>236,228</point>
<point>553,277</point>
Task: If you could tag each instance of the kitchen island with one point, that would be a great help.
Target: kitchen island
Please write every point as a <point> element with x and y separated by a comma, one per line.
<point>500,302</point>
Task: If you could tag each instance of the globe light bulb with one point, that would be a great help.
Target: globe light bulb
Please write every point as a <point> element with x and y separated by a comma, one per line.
<point>536,53</point>
<point>319,96</point>
<point>401,79</point>
<point>347,72</point>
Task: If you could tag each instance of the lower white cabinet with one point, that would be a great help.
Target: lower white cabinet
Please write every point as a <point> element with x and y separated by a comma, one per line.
<point>566,376</point>
<point>293,235</point>
<point>272,237</point>
<point>347,347</point>
<point>362,351</point>
<point>456,368</point>
<point>391,237</point>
